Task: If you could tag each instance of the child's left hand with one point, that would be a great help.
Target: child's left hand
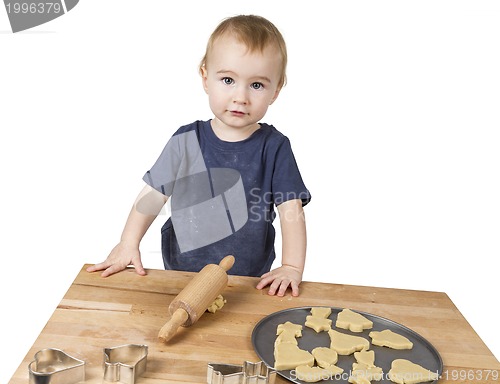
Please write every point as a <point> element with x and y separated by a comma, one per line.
<point>280,279</point>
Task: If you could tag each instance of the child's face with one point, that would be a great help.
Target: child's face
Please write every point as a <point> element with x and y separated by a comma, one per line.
<point>240,84</point>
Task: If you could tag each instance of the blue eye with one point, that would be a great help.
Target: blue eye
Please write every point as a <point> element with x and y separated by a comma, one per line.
<point>227,80</point>
<point>257,85</point>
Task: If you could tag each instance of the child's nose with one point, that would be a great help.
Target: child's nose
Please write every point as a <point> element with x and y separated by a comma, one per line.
<point>240,95</point>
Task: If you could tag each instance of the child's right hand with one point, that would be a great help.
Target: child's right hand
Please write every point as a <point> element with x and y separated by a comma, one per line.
<point>120,258</point>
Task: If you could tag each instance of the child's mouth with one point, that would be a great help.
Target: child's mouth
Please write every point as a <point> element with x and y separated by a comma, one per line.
<point>237,113</point>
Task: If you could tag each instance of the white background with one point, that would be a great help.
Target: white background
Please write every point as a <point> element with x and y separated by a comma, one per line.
<point>392,108</point>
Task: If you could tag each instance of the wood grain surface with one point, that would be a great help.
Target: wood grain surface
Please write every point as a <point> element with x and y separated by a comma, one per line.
<point>125,308</point>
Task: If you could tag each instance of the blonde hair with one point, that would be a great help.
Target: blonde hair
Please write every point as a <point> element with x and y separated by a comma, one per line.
<point>256,32</point>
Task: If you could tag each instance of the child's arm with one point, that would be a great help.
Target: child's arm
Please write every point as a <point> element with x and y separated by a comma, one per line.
<point>145,209</point>
<point>293,231</point>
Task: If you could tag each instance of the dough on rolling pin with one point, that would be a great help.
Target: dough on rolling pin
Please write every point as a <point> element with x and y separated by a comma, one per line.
<point>217,304</point>
<point>347,344</point>
<point>314,374</point>
<point>290,356</point>
<point>353,321</point>
<point>387,338</point>
<point>405,372</point>
<point>318,323</point>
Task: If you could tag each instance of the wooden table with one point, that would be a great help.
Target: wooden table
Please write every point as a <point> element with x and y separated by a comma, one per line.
<point>126,308</point>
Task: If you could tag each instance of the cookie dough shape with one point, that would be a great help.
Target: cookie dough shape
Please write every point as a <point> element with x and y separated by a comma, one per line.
<point>314,374</point>
<point>325,356</point>
<point>370,373</point>
<point>353,321</point>
<point>364,370</point>
<point>387,338</point>
<point>346,344</point>
<point>361,372</point>
<point>323,312</point>
<point>359,380</point>
<point>286,337</point>
<point>405,372</point>
<point>365,357</point>
<point>319,324</point>
<point>296,329</point>
<point>290,356</point>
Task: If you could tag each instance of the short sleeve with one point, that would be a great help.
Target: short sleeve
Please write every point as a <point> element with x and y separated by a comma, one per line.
<point>180,158</point>
<point>287,181</point>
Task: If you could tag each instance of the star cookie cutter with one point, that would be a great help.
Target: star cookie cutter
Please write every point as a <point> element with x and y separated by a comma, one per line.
<point>55,367</point>
<point>125,363</point>
<point>248,373</point>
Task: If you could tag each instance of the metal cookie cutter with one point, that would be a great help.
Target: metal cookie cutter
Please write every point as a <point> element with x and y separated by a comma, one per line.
<point>55,367</point>
<point>125,363</point>
<point>248,373</point>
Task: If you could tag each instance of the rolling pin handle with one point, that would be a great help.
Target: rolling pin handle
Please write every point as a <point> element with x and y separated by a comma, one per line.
<point>178,318</point>
<point>227,262</point>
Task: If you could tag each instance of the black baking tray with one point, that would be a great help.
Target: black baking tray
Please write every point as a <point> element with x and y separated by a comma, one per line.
<point>422,353</point>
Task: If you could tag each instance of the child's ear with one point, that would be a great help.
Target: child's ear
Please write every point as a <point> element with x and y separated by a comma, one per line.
<point>276,94</point>
<point>203,73</point>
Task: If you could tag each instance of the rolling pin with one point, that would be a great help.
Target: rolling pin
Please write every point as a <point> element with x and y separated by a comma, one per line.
<point>196,297</point>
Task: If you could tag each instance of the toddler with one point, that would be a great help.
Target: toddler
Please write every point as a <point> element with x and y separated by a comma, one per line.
<point>225,176</point>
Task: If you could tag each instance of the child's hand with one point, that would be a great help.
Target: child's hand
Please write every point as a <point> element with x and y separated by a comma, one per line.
<point>280,278</point>
<point>120,258</point>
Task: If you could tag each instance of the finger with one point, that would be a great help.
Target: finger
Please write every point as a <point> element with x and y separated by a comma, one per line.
<point>261,284</point>
<point>265,281</point>
<point>295,289</point>
<point>267,274</point>
<point>97,267</point>
<point>139,269</point>
<point>283,286</point>
<point>274,287</point>
<point>111,270</point>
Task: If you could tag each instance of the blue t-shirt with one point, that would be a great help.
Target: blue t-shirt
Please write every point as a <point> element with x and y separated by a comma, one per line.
<point>223,196</point>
